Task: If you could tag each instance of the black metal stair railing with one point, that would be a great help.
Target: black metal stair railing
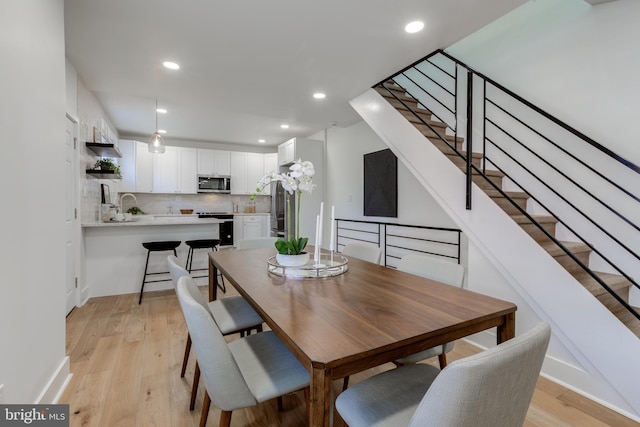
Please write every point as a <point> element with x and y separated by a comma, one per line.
<point>535,151</point>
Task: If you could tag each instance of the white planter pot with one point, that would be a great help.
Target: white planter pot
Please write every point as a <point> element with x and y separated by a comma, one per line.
<point>292,260</point>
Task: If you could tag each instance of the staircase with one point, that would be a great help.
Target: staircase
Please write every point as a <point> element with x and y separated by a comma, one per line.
<point>540,227</point>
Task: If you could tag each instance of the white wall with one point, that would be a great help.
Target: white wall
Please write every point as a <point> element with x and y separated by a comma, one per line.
<point>578,62</point>
<point>345,188</point>
<point>32,122</point>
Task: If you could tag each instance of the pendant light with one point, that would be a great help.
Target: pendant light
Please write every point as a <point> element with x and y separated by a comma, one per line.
<point>156,143</point>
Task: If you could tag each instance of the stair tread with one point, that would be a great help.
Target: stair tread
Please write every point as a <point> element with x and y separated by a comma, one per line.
<point>542,219</point>
<point>574,247</point>
<point>614,281</point>
<point>512,194</point>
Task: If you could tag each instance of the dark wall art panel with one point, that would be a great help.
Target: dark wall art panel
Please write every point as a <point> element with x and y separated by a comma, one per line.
<point>381,184</point>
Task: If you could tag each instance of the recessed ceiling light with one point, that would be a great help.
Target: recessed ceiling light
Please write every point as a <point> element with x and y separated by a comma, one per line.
<point>171,65</point>
<point>161,110</point>
<point>284,126</point>
<point>162,131</point>
<point>262,141</point>
<point>414,27</point>
<point>319,95</point>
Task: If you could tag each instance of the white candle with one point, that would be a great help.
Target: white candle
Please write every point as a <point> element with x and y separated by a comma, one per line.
<point>316,253</point>
<point>332,240</point>
<point>319,243</point>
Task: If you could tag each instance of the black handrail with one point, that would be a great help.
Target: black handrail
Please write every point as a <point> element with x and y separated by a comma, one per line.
<point>383,234</point>
<point>470,168</point>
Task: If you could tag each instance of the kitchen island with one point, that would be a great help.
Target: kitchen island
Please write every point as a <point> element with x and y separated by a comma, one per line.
<point>114,258</point>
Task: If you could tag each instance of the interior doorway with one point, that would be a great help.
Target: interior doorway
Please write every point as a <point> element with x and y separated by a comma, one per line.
<point>71,211</point>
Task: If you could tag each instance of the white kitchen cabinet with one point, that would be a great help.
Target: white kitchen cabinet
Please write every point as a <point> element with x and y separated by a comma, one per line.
<point>214,162</point>
<point>287,152</point>
<point>238,173</point>
<point>255,171</point>
<point>250,227</point>
<point>175,171</point>
<point>246,170</point>
<point>136,165</point>
<point>187,172</point>
<point>270,165</point>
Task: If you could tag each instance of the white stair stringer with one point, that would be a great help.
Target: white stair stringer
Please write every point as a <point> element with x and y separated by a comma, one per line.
<point>592,334</point>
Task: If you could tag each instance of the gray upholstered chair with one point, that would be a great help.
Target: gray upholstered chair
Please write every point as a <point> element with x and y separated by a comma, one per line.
<point>241,373</point>
<point>439,270</point>
<point>363,251</point>
<point>257,242</point>
<point>489,389</point>
<point>231,315</point>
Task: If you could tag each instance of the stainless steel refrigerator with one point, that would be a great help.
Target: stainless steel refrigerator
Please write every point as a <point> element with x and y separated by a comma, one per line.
<point>279,221</point>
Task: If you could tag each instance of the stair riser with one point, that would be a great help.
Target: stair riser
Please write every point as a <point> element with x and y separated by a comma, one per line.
<point>506,205</point>
<point>536,234</point>
<point>410,104</point>
<point>426,116</point>
<point>485,185</point>
<point>570,265</point>
<point>462,163</point>
<point>437,140</point>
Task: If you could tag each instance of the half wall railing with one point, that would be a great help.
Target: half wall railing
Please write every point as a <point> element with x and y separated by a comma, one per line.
<point>397,240</point>
<point>590,190</point>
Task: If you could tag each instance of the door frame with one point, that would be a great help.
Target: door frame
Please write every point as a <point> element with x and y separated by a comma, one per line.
<point>74,200</point>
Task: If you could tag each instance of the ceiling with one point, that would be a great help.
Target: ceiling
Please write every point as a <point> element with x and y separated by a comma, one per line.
<point>248,66</point>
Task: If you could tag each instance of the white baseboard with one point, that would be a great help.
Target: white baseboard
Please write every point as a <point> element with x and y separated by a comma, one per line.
<point>57,384</point>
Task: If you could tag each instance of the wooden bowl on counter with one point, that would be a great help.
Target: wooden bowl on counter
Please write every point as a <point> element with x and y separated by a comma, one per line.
<point>186,211</point>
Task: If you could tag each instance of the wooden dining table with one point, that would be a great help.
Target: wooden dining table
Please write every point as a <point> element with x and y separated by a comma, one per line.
<point>369,315</point>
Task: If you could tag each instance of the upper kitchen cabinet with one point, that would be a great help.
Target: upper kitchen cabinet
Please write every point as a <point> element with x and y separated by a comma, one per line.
<point>287,152</point>
<point>297,148</point>
<point>137,167</point>
<point>175,171</point>
<point>214,162</point>
<point>270,165</point>
<point>246,170</point>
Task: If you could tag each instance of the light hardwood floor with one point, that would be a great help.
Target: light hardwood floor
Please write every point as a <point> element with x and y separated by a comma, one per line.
<point>126,358</point>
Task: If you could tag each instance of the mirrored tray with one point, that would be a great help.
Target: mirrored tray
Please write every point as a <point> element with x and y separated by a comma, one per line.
<point>327,267</point>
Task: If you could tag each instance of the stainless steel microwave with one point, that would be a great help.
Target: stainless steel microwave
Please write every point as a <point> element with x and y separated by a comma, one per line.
<point>214,184</point>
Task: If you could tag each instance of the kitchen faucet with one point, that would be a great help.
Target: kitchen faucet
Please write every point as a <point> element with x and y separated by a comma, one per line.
<point>122,197</point>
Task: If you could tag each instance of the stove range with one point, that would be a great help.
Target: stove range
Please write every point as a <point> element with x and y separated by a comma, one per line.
<point>225,227</point>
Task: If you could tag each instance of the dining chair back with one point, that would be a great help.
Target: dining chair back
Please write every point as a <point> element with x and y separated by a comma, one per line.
<point>222,378</point>
<point>257,242</point>
<point>433,268</point>
<point>243,372</point>
<point>491,388</point>
<point>230,315</point>
<point>439,270</point>
<point>363,251</point>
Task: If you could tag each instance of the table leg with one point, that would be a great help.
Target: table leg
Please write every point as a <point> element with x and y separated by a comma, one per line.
<point>213,281</point>
<point>507,330</point>
<point>319,413</point>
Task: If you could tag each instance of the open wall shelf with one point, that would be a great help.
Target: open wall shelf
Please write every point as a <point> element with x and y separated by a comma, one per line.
<point>103,174</point>
<point>103,150</point>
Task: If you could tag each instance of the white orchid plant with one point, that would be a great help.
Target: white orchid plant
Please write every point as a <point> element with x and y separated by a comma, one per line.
<point>299,178</point>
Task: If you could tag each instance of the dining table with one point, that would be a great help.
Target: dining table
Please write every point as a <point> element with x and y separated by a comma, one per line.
<point>369,315</point>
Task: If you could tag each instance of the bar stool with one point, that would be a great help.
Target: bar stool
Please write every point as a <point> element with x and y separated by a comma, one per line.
<point>202,244</point>
<point>156,247</point>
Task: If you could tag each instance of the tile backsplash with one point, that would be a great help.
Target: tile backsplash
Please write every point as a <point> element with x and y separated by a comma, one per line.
<point>172,203</point>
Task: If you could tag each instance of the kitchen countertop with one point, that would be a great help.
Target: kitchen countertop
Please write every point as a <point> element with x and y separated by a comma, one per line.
<point>253,213</point>
<point>147,220</point>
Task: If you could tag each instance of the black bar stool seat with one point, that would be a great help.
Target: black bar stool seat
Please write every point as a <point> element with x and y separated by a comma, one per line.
<point>202,244</point>
<point>156,247</point>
